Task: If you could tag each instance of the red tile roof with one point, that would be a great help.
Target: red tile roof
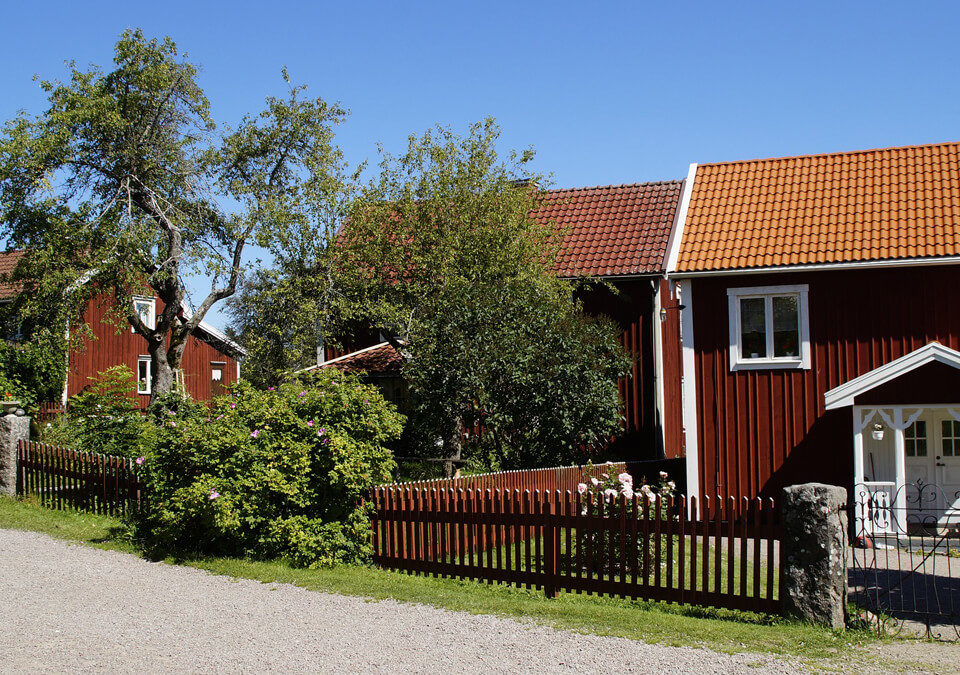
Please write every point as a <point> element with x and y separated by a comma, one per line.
<point>869,205</point>
<point>8,262</point>
<point>612,230</point>
<point>380,358</point>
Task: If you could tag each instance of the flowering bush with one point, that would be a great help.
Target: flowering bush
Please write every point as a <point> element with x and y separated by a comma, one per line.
<point>612,487</point>
<point>276,473</point>
<point>602,494</point>
<point>104,418</point>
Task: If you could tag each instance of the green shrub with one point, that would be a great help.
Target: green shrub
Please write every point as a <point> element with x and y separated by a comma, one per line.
<point>104,418</point>
<point>277,473</point>
<point>32,371</point>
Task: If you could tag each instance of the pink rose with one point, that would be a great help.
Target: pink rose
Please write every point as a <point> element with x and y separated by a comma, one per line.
<point>581,488</point>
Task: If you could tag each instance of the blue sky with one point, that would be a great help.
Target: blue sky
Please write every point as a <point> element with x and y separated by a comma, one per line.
<point>605,92</point>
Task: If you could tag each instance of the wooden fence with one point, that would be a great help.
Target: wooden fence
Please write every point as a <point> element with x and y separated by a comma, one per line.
<point>47,412</point>
<point>561,478</point>
<point>67,479</point>
<point>720,553</point>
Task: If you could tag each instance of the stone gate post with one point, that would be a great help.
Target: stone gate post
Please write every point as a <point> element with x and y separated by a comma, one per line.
<point>814,556</point>
<point>14,427</point>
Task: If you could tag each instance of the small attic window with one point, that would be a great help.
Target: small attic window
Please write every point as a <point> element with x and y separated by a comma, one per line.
<point>146,308</point>
<point>769,327</point>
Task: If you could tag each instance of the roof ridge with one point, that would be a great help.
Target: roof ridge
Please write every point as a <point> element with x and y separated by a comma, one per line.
<point>617,185</point>
<point>831,154</point>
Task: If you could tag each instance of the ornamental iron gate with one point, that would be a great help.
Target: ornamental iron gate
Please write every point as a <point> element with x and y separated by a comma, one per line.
<point>905,561</point>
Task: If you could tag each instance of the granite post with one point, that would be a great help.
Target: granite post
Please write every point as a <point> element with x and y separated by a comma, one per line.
<point>814,555</point>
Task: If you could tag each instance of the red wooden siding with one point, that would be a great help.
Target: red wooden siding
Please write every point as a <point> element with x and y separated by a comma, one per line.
<point>632,310</point>
<point>672,414</point>
<point>115,346</point>
<point>759,431</point>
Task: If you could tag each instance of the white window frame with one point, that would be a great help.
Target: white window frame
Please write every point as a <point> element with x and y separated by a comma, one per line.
<point>799,362</point>
<point>152,322</point>
<point>147,386</point>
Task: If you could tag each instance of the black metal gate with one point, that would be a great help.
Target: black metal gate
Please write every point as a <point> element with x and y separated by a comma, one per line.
<point>905,560</point>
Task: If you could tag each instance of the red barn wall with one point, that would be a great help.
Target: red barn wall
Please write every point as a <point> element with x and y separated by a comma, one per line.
<point>671,372</point>
<point>632,310</point>
<point>113,347</point>
<point>761,430</point>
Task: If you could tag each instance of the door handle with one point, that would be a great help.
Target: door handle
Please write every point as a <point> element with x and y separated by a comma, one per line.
<point>940,464</point>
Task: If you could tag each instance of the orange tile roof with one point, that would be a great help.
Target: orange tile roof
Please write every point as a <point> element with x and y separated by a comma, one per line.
<point>380,358</point>
<point>869,205</point>
<point>612,230</point>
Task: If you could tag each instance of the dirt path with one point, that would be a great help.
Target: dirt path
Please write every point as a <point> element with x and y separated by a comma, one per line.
<point>70,608</point>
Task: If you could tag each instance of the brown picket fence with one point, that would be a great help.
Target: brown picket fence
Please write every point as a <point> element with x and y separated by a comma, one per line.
<point>68,479</point>
<point>49,411</point>
<point>554,478</point>
<point>713,552</point>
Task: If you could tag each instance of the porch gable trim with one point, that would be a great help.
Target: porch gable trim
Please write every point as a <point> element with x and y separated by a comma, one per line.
<point>844,395</point>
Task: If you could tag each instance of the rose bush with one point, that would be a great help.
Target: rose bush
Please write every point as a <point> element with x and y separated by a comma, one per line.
<point>276,473</point>
<point>602,494</point>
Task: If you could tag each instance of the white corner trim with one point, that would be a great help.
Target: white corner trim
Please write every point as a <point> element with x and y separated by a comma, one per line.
<point>658,360</point>
<point>676,232</point>
<point>802,360</point>
<point>844,395</point>
<point>689,390</point>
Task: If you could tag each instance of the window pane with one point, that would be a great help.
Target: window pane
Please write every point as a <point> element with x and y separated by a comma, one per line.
<point>753,331</point>
<point>217,375</point>
<point>143,376</point>
<point>948,447</point>
<point>786,325</point>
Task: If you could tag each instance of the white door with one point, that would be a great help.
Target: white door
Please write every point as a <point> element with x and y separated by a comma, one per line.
<point>947,460</point>
<point>922,500</point>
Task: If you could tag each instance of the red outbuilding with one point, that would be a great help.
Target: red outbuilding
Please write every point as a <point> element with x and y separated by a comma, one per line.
<point>210,359</point>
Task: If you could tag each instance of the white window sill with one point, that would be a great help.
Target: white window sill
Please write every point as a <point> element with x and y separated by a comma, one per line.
<point>771,364</point>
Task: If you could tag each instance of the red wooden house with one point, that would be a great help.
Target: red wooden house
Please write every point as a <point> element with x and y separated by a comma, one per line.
<point>821,323</point>
<point>210,359</point>
<point>617,233</point>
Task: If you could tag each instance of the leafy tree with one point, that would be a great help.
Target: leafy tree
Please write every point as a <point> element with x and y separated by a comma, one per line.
<point>441,253</point>
<point>123,184</point>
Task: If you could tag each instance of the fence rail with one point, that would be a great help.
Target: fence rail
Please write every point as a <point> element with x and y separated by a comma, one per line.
<point>721,553</point>
<point>68,479</point>
<point>561,478</point>
<point>47,412</point>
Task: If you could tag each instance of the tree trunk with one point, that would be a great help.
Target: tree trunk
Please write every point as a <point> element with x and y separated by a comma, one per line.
<point>162,376</point>
<point>452,446</point>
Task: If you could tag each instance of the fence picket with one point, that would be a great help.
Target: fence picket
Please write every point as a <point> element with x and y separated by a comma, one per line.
<point>731,540</point>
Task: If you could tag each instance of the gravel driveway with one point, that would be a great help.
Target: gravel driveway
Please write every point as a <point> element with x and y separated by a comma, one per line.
<point>65,607</point>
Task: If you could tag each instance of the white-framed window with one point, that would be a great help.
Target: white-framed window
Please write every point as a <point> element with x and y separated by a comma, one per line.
<point>144,374</point>
<point>915,439</point>
<point>769,327</point>
<point>147,309</point>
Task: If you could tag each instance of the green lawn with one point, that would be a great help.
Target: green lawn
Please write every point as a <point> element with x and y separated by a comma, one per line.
<point>721,630</point>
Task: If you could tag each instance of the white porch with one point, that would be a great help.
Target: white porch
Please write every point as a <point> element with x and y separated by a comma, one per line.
<point>906,458</point>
